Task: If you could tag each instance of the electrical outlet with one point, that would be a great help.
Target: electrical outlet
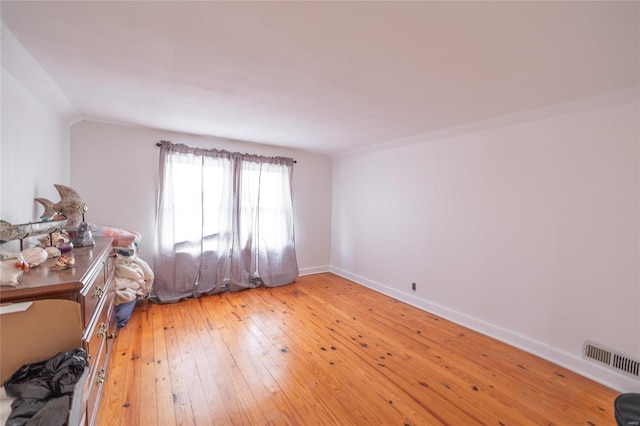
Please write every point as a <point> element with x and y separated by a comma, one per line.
<point>413,286</point>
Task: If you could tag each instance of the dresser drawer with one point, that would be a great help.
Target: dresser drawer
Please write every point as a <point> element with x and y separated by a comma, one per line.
<point>93,293</point>
<point>96,333</point>
<point>99,286</point>
<point>98,376</point>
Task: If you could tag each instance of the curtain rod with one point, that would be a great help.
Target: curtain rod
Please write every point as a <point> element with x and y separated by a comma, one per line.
<point>160,144</point>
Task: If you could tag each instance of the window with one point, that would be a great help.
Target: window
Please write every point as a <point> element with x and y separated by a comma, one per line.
<point>222,215</point>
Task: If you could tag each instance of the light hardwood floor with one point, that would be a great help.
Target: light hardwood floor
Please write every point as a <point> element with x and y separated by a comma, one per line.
<point>327,351</point>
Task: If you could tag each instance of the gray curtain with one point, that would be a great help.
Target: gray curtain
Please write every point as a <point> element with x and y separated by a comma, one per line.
<point>263,251</point>
<point>224,222</point>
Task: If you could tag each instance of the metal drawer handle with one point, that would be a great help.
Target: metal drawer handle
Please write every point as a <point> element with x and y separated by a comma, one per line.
<point>102,330</point>
<point>100,378</point>
<point>98,292</point>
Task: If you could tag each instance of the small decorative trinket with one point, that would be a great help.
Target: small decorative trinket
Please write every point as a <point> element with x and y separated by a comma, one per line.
<point>64,262</point>
<point>64,246</point>
<point>11,267</point>
<point>34,256</point>
<point>70,206</point>
<point>52,252</point>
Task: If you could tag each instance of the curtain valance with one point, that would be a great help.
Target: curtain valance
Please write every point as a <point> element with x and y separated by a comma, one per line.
<point>222,153</point>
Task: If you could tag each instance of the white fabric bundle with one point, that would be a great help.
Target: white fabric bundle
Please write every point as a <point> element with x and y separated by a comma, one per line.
<point>133,278</point>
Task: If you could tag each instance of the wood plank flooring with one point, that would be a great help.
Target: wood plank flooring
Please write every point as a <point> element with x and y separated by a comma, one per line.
<point>327,351</point>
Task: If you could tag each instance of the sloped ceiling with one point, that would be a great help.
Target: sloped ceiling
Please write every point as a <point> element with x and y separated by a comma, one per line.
<point>325,76</point>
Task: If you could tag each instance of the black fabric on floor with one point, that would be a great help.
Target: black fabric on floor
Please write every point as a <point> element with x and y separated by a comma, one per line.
<point>43,390</point>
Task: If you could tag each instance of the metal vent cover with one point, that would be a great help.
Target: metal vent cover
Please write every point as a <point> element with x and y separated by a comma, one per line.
<point>612,359</point>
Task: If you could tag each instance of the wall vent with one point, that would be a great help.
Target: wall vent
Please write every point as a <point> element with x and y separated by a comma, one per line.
<point>612,359</point>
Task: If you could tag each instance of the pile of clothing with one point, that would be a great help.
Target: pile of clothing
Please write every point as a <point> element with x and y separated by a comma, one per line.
<point>44,390</point>
<point>133,280</point>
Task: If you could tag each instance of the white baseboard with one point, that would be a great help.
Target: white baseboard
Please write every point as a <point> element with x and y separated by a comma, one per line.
<point>314,270</point>
<point>574,363</point>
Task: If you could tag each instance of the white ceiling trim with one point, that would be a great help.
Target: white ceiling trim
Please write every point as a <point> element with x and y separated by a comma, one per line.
<point>605,100</point>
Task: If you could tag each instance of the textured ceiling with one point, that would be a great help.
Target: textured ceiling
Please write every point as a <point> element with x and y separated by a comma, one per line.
<point>325,76</point>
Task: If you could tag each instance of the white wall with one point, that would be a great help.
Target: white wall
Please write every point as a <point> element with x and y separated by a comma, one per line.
<point>34,136</point>
<point>526,232</point>
<point>114,168</point>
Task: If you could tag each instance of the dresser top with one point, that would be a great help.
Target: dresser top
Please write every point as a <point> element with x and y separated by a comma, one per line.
<point>42,280</point>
